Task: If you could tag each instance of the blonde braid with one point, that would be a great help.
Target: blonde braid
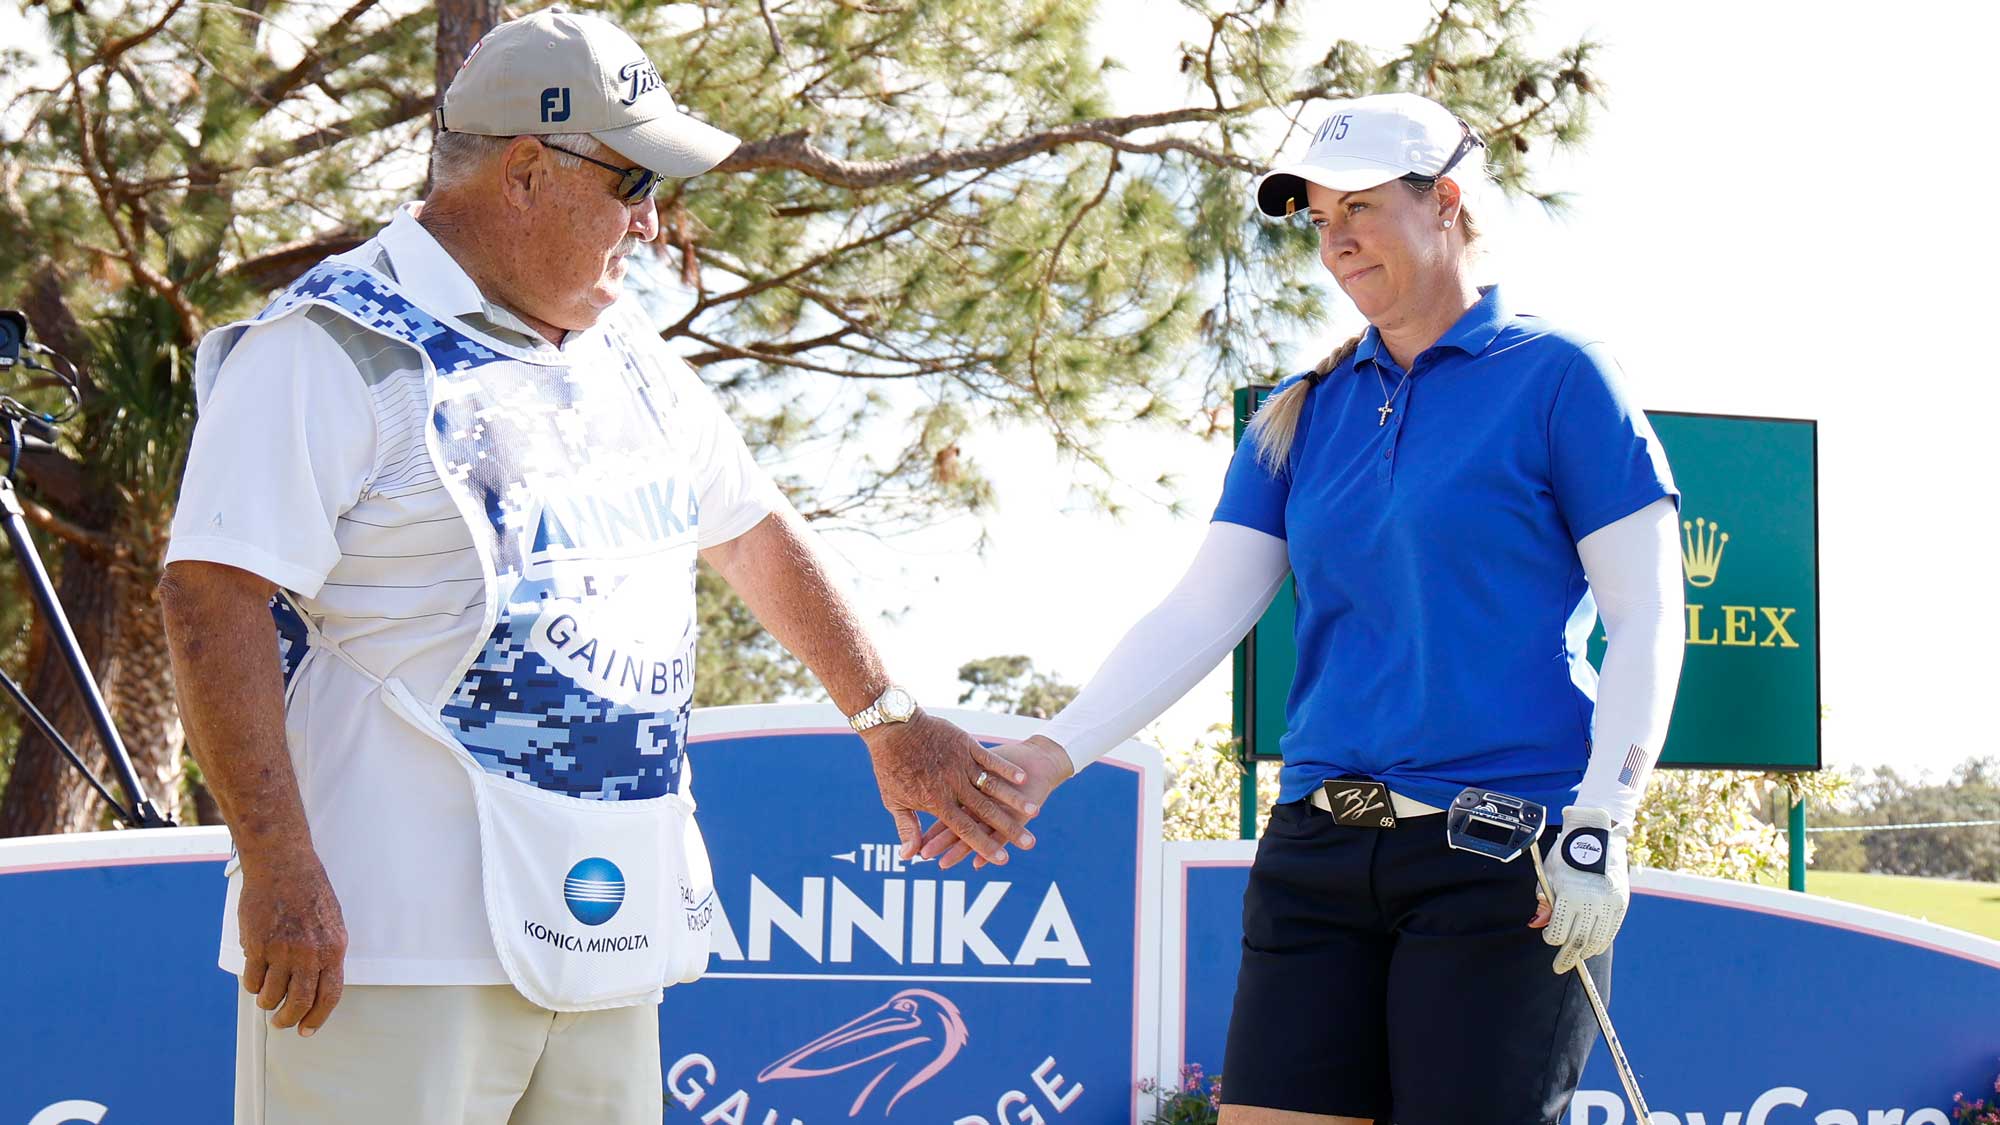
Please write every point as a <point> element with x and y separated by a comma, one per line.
<point>1277,421</point>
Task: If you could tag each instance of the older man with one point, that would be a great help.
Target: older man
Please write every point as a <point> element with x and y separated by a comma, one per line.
<point>431,602</point>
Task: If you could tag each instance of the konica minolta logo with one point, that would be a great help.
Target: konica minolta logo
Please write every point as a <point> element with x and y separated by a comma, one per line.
<point>594,890</point>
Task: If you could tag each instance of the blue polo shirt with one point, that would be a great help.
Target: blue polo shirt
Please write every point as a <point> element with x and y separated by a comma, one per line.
<point>1442,609</point>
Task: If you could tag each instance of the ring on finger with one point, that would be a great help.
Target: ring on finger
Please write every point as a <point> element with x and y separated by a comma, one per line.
<point>979,782</point>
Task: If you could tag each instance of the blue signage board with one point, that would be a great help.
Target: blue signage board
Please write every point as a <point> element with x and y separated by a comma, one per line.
<point>1738,1005</point>
<point>111,1007</point>
<point>846,984</point>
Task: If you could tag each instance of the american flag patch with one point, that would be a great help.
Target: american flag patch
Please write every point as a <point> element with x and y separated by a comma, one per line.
<point>1635,761</point>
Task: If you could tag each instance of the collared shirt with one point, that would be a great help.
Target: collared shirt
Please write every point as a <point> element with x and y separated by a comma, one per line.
<point>1443,612</point>
<point>309,467</point>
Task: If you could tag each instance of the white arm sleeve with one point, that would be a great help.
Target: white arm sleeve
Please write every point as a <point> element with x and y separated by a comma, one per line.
<point>1634,569</point>
<point>1232,578</point>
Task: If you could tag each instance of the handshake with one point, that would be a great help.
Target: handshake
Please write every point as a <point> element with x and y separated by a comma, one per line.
<point>982,796</point>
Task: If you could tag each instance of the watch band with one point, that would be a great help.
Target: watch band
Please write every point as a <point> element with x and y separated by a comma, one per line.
<point>869,716</point>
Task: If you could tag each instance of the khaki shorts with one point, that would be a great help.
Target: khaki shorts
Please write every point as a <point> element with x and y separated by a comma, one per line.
<point>449,1055</point>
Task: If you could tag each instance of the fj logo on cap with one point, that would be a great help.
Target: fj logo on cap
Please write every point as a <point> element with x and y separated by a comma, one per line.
<point>555,103</point>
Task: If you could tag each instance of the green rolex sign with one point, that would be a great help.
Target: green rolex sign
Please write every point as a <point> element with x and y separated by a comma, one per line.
<point>1749,691</point>
<point>1749,696</point>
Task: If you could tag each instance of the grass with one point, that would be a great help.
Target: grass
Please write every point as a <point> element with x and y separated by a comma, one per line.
<point>1973,907</point>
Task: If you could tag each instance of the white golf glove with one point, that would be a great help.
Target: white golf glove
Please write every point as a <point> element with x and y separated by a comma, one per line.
<point>1587,875</point>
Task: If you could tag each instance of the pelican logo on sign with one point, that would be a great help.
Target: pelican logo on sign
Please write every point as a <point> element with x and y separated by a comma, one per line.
<point>916,1028</point>
<point>594,890</point>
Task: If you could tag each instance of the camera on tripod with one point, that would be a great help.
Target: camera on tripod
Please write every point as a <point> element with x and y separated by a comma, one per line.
<point>13,334</point>
<point>17,353</point>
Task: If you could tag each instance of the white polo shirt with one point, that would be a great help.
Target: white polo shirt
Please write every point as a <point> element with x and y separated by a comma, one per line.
<point>309,468</point>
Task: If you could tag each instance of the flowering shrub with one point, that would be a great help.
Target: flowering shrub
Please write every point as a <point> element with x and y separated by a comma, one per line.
<point>1196,1101</point>
<point>1981,1112</point>
<point>1204,799</point>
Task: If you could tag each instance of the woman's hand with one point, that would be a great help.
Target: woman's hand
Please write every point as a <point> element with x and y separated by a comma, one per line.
<point>928,763</point>
<point>1046,765</point>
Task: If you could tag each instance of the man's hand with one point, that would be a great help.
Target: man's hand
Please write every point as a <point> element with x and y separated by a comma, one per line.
<point>930,765</point>
<point>294,942</point>
<point>1587,874</point>
<point>1045,764</point>
<point>925,764</point>
<point>232,697</point>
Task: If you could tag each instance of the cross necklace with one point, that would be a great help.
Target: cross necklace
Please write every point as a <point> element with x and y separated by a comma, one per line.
<point>1388,396</point>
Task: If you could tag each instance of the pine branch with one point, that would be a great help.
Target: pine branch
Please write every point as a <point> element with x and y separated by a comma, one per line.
<point>909,220</point>
<point>1042,305</point>
<point>1200,152</point>
<point>767,350</point>
<point>278,266</point>
<point>720,350</point>
<point>1208,60</point>
<point>321,60</point>
<point>109,54</point>
<point>1437,38</point>
<point>777,41</point>
<point>106,188</point>
<point>405,107</point>
<point>54,475</point>
<point>96,543</point>
<point>796,152</point>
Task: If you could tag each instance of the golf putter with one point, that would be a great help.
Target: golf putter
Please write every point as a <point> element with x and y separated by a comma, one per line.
<point>1500,827</point>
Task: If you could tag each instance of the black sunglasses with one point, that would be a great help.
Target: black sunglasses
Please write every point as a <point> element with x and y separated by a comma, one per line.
<point>634,184</point>
<point>1466,144</point>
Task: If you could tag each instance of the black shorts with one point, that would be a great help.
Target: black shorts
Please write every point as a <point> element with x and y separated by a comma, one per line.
<point>1388,976</point>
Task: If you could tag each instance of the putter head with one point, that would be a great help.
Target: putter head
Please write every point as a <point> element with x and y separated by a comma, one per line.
<point>1492,824</point>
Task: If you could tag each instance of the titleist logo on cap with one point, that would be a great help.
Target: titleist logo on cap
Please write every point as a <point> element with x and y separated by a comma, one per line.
<point>640,78</point>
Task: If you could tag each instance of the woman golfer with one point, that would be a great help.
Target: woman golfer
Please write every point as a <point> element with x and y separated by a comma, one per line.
<point>1460,492</point>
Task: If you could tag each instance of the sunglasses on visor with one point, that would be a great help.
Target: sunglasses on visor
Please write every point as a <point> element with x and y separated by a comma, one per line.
<point>634,184</point>
<point>1467,143</point>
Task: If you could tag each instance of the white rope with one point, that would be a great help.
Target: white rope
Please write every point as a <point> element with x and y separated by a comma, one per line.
<point>1904,827</point>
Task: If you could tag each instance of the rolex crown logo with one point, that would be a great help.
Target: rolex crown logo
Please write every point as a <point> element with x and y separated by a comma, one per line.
<point>1701,550</point>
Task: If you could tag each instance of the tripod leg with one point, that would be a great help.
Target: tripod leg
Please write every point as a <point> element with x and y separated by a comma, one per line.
<point>142,813</point>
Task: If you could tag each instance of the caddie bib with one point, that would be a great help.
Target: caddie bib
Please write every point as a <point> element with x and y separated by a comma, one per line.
<point>569,715</point>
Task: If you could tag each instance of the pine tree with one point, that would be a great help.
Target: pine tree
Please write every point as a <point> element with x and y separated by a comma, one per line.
<point>936,224</point>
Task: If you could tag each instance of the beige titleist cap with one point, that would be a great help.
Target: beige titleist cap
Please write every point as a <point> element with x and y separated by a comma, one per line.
<point>564,72</point>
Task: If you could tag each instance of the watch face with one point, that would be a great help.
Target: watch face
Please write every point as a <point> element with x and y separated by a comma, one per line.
<point>898,705</point>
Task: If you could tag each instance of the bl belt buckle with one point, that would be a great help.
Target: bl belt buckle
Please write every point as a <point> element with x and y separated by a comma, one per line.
<point>1357,803</point>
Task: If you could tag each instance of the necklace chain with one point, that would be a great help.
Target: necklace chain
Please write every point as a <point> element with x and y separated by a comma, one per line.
<point>1388,395</point>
